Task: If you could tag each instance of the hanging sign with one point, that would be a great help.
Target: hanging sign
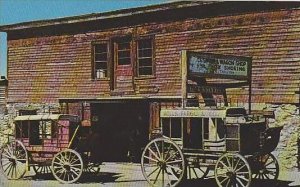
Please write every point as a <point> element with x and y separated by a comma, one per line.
<point>221,66</point>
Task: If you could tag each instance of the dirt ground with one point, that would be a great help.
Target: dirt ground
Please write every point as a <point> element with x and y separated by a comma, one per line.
<point>129,175</point>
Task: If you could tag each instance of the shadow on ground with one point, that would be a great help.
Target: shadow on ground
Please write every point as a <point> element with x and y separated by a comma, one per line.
<point>107,177</point>
<point>103,177</point>
<point>255,183</point>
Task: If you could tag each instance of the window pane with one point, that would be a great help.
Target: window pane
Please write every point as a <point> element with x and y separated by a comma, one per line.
<point>147,43</point>
<point>145,62</point>
<point>145,53</point>
<point>100,48</point>
<point>124,54</point>
<point>100,60</point>
<point>124,61</point>
<point>176,128</point>
<point>101,57</point>
<point>123,46</point>
<point>101,66</point>
<point>145,71</point>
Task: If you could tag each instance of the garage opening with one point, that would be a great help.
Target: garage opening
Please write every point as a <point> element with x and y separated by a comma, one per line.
<point>123,130</point>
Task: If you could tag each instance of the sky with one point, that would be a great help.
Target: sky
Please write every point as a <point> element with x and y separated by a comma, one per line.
<point>16,11</point>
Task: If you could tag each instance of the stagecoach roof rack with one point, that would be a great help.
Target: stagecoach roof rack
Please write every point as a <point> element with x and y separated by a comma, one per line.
<point>47,117</point>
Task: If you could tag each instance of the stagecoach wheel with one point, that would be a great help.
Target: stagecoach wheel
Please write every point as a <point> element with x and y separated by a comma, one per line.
<point>67,166</point>
<point>41,169</point>
<point>195,170</point>
<point>268,167</point>
<point>232,169</point>
<point>14,160</point>
<point>162,163</point>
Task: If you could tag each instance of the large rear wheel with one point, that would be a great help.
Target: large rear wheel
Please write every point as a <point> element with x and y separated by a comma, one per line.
<point>14,160</point>
<point>67,166</point>
<point>163,163</point>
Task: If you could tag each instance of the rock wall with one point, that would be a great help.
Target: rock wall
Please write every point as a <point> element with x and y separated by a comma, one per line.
<point>287,149</point>
<point>6,118</point>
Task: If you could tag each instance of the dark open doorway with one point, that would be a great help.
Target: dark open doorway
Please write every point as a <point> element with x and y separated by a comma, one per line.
<point>123,129</point>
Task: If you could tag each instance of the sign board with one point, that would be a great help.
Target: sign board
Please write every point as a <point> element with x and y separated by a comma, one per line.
<point>221,66</point>
<point>204,89</point>
<point>204,113</point>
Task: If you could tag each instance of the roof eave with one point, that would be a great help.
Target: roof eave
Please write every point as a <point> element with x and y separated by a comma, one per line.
<point>103,16</point>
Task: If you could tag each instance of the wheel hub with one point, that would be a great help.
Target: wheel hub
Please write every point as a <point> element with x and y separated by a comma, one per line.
<point>231,174</point>
<point>13,160</point>
<point>162,164</point>
<point>67,166</point>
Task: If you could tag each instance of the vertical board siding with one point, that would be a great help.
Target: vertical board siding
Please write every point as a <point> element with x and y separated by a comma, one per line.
<point>47,68</point>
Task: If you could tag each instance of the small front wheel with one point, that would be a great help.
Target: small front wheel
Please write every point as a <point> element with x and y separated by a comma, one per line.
<point>67,166</point>
<point>232,169</point>
<point>163,163</point>
<point>268,167</point>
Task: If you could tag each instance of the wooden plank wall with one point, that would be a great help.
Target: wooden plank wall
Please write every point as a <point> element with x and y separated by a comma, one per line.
<point>47,68</point>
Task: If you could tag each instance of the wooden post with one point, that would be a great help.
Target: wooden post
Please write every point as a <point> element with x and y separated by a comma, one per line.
<point>183,62</point>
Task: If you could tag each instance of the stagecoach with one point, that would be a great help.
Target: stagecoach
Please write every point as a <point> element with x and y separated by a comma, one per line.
<point>56,143</point>
<point>221,136</point>
<point>192,141</point>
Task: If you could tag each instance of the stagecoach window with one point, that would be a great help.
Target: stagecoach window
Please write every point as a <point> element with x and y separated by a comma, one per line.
<point>22,129</point>
<point>172,127</point>
<point>45,129</point>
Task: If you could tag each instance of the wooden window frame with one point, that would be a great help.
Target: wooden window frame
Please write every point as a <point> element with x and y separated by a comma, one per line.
<point>137,68</point>
<point>93,66</point>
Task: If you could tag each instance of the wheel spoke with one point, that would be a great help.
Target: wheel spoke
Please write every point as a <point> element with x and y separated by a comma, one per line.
<point>237,163</point>
<point>240,177</point>
<point>195,173</point>
<point>266,176</point>
<point>58,163</point>
<point>176,168</point>
<point>228,183</point>
<point>157,175</point>
<point>171,157</point>
<point>225,179</point>
<point>227,160</point>
<point>153,153</point>
<point>59,159</point>
<point>240,168</point>
<point>174,175</point>
<point>149,158</point>
<point>224,165</point>
<point>153,171</point>
<point>8,153</point>
<point>175,161</point>
<point>168,151</point>
<point>157,149</point>
<point>240,182</point>
<point>168,178</point>
<point>242,172</point>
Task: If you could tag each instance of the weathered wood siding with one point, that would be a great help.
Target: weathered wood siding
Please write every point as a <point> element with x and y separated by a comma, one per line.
<point>44,69</point>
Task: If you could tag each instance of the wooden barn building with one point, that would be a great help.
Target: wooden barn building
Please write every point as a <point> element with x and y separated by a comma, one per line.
<point>116,69</point>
